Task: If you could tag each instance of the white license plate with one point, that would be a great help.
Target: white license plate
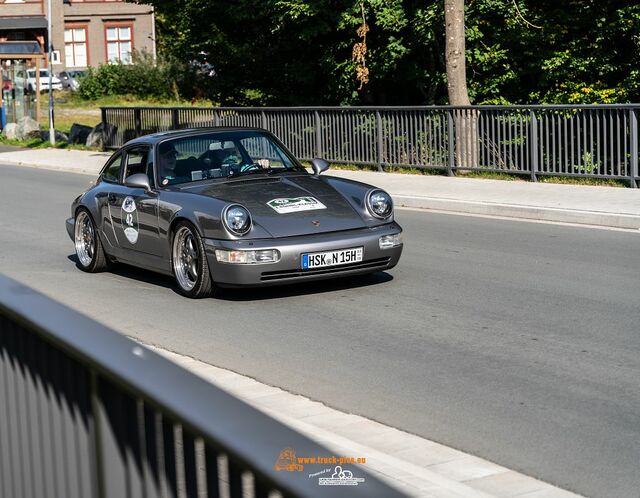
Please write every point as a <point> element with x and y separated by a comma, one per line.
<point>332,258</point>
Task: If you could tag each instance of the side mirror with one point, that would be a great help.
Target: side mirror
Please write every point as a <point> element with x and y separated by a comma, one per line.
<point>139,180</point>
<point>319,165</point>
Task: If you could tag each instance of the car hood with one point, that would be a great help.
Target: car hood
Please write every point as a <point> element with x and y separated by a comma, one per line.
<point>289,205</point>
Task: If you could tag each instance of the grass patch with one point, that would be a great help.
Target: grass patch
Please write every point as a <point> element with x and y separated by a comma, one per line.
<point>595,182</point>
<point>491,175</point>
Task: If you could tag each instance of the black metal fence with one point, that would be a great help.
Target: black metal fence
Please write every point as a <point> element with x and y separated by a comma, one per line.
<point>85,412</point>
<point>595,141</point>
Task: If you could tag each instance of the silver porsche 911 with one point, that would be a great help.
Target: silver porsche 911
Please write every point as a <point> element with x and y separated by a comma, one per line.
<point>226,207</point>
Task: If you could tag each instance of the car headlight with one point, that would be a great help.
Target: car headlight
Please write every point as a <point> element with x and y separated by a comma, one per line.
<point>379,204</point>
<point>237,219</point>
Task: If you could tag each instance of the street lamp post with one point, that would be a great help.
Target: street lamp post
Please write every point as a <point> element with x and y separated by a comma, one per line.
<point>52,132</point>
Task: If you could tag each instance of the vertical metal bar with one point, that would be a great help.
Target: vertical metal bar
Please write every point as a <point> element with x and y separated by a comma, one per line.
<point>618,155</point>
<point>564,142</point>
<point>190,470</point>
<point>235,480</point>
<point>10,445</point>
<point>633,170</point>
<point>57,422</point>
<point>450,142</point>
<point>211,471</point>
<point>610,169</point>
<point>169,453</point>
<point>379,141</point>
<point>137,121</point>
<point>596,155</point>
<point>108,411</point>
<point>175,124</point>
<point>533,146</point>
<point>71,430</point>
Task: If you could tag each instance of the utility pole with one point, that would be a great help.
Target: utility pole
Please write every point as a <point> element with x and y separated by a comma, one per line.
<point>52,132</point>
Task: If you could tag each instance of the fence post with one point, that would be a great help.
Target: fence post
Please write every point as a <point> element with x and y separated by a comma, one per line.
<point>318,120</point>
<point>533,143</point>
<point>103,113</point>
<point>216,118</point>
<point>450,143</point>
<point>380,139</point>
<point>633,170</point>
<point>137,122</point>
<point>174,119</point>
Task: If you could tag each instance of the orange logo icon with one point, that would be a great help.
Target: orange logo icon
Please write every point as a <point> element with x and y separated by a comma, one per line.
<point>287,461</point>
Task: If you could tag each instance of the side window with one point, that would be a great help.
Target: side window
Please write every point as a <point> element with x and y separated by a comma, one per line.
<point>111,172</point>
<point>136,161</point>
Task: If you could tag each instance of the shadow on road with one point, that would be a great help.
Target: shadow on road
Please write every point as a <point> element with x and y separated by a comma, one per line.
<point>253,293</point>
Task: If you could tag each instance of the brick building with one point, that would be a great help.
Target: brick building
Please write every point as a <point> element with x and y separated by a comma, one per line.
<point>85,32</point>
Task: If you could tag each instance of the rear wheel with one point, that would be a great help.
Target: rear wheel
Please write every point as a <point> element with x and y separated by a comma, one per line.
<point>91,256</point>
<point>189,261</point>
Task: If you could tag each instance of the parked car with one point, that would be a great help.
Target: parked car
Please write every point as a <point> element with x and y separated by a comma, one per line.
<point>71,79</point>
<point>27,80</point>
<point>229,207</point>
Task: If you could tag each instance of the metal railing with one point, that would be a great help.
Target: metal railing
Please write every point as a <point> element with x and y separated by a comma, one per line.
<point>86,412</point>
<point>594,141</point>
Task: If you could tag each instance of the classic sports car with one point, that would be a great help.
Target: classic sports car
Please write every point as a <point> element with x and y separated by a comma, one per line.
<point>225,207</point>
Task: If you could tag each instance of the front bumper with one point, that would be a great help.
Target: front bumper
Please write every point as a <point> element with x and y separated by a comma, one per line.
<point>288,268</point>
<point>70,224</point>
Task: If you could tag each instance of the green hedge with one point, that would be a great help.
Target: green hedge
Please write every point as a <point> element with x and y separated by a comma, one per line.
<point>143,78</point>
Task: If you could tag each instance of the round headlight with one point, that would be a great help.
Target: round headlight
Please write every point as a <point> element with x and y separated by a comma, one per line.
<point>379,204</point>
<point>237,219</point>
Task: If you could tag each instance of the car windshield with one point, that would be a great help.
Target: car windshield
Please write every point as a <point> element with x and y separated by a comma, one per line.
<point>43,73</point>
<point>221,155</point>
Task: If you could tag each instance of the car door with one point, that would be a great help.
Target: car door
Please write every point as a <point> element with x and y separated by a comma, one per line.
<point>134,212</point>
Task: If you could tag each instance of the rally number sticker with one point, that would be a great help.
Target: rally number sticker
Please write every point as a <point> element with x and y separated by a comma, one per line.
<point>295,204</point>
<point>130,219</point>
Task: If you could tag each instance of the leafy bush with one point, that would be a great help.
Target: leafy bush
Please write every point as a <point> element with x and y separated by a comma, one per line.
<point>144,78</point>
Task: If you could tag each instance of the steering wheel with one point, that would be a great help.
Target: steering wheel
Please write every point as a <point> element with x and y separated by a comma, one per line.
<point>249,167</point>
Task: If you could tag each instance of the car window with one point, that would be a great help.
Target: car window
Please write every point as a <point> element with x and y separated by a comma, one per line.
<point>111,172</point>
<point>220,155</point>
<point>136,161</point>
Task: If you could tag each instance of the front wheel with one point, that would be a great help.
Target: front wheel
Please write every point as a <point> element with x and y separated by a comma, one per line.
<point>91,256</point>
<point>189,261</point>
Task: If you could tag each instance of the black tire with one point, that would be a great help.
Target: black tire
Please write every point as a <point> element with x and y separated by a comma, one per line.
<point>189,262</point>
<point>91,256</point>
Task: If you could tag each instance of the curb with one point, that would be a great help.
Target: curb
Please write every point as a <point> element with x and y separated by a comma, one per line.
<point>517,211</point>
<point>50,167</point>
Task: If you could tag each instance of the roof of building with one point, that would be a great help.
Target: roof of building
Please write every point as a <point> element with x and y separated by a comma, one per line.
<point>24,22</point>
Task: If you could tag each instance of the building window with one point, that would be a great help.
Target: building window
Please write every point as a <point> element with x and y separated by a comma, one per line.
<point>75,47</point>
<point>119,44</point>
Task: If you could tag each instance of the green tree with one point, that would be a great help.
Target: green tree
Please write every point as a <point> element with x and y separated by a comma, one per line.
<point>299,52</point>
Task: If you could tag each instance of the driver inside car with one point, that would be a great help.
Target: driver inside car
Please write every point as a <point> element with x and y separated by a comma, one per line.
<point>168,162</point>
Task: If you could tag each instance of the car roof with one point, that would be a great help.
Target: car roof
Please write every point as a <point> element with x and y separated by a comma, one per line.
<point>155,138</point>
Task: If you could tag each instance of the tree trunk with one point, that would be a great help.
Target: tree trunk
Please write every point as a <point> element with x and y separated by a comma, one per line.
<point>454,52</point>
<point>466,143</point>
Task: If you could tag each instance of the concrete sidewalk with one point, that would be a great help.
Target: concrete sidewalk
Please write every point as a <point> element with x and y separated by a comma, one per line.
<point>600,206</point>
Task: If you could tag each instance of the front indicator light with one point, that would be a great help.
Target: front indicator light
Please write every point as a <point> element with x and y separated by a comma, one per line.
<point>251,257</point>
<point>390,241</point>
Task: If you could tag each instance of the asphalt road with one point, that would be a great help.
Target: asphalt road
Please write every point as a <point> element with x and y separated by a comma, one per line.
<point>518,342</point>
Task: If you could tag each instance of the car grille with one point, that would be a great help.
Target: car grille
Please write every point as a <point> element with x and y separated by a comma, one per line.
<point>363,265</point>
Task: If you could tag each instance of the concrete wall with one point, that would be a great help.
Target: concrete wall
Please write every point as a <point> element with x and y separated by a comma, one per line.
<point>28,8</point>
